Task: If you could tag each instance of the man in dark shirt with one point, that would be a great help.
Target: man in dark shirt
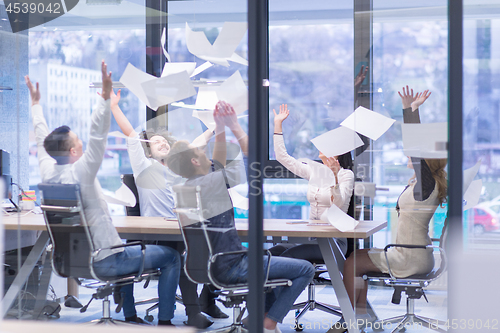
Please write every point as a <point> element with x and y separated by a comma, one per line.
<point>214,179</point>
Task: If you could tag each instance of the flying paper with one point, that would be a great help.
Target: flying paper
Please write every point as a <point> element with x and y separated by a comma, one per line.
<point>337,142</point>
<point>238,200</point>
<point>368,123</point>
<point>469,175</point>
<point>471,196</point>
<point>423,140</point>
<point>340,220</point>
<point>156,92</point>
<point>123,196</point>
<point>224,46</point>
<point>234,91</point>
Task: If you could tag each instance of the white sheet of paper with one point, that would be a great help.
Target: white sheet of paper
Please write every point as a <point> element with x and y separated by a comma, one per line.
<point>206,98</point>
<point>238,200</point>
<point>234,91</point>
<point>337,141</point>
<point>340,220</point>
<point>207,117</point>
<point>201,68</point>
<point>469,175</point>
<point>168,89</point>
<point>133,78</point>
<point>176,67</point>
<point>321,175</point>
<point>368,123</point>
<point>471,196</point>
<point>123,196</point>
<point>419,140</point>
<point>223,47</point>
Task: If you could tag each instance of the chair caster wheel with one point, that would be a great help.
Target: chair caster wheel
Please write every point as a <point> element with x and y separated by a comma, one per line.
<point>403,329</point>
<point>299,327</point>
<point>149,318</point>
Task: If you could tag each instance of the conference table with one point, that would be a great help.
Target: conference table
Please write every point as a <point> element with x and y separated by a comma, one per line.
<point>159,228</point>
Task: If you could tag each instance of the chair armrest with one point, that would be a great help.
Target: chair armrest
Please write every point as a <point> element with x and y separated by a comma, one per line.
<point>143,253</point>
<point>215,256</point>
<point>413,246</point>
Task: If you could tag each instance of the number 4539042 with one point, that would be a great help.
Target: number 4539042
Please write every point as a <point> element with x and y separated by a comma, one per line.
<point>33,8</point>
<point>472,324</point>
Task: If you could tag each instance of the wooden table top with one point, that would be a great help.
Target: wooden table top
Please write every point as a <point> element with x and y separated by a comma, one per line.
<point>160,225</point>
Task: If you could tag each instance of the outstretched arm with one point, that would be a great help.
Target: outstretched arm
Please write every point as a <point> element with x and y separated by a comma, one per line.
<point>300,169</point>
<point>425,182</point>
<point>40,128</point>
<point>231,120</point>
<point>120,118</point>
<point>220,149</point>
<point>88,165</point>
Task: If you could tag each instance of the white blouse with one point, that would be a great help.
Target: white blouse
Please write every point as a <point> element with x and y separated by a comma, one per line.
<point>320,198</point>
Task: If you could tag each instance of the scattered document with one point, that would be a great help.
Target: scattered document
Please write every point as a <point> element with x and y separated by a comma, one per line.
<point>123,196</point>
<point>337,142</point>
<point>471,196</point>
<point>368,123</point>
<point>238,200</point>
<point>425,140</point>
<point>321,175</point>
<point>168,89</point>
<point>340,220</point>
<point>206,98</point>
<point>224,46</point>
<point>469,175</point>
<point>235,92</point>
<point>177,67</point>
<point>156,92</point>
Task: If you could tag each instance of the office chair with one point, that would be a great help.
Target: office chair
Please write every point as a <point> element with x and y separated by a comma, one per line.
<point>413,286</point>
<point>129,180</point>
<point>73,250</point>
<point>199,257</point>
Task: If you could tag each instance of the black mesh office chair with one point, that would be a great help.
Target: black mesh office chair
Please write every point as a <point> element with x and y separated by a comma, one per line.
<point>199,257</point>
<point>413,286</point>
<point>73,250</point>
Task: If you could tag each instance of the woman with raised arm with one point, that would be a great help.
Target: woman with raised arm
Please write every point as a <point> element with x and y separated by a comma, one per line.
<point>154,182</point>
<point>426,190</point>
<point>320,197</point>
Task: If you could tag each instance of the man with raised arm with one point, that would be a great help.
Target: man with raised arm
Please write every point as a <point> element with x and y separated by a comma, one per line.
<point>215,178</point>
<point>62,161</point>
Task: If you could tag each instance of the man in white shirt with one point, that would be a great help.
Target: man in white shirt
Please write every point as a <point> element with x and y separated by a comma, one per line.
<point>62,160</point>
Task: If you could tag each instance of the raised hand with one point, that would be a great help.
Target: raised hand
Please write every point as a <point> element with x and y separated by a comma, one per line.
<point>227,114</point>
<point>115,98</point>
<point>407,98</point>
<point>360,77</point>
<point>107,83</point>
<point>333,164</point>
<point>282,115</point>
<point>34,92</point>
<point>420,98</point>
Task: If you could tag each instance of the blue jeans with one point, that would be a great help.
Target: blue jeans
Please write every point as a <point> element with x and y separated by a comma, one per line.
<point>280,300</point>
<point>128,262</point>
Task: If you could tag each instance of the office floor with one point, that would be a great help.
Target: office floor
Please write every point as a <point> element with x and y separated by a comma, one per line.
<point>314,321</point>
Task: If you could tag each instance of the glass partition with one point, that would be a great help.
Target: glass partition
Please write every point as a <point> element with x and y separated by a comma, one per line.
<point>328,61</point>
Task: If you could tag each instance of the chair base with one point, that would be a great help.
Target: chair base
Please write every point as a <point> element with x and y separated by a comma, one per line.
<point>311,305</point>
<point>408,319</point>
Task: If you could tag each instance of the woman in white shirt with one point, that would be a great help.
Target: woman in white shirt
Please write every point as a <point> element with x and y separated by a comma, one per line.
<point>320,197</point>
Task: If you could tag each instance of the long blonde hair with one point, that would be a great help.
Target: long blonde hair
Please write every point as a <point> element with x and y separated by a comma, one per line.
<point>437,167</point>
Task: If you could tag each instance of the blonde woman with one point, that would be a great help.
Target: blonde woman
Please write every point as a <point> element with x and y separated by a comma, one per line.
<point>426,190</point>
